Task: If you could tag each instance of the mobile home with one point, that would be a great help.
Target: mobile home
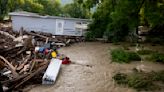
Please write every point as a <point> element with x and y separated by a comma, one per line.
<point>50,24</point>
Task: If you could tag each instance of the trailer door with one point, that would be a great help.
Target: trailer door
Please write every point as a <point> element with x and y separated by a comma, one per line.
<point>59,27</point>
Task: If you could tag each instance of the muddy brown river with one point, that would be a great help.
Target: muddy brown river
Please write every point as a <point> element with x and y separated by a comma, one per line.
<point>91,70</point>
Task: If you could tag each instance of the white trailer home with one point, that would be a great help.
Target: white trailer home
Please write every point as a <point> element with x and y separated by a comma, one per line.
<point>50,24</point>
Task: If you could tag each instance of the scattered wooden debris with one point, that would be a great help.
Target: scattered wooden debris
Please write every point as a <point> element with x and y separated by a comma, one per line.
<point>41,69</point>
<point>19,63</point>
<point>35,34</point>
<point>10,66</point>
<point>7,34</point>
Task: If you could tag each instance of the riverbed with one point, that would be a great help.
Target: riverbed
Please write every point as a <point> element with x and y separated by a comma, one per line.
<point>91,70</point>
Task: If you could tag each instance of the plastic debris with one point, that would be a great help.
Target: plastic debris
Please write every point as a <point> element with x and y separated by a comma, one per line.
<point>52,71</point>
<point>53,54</point>
<point>66,61</point>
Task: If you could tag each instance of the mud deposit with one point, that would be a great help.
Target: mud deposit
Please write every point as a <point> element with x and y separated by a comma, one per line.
<point>91,70</point>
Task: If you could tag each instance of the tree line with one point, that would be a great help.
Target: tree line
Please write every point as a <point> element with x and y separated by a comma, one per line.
<point>44,7</point>
<point>115,19</point>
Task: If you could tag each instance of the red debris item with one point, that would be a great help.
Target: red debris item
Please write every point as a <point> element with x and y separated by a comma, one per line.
<point>46,51</point>
<point>66,61</point>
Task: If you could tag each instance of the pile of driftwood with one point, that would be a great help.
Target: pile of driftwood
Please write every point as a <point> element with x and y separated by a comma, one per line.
<point>19,64</point>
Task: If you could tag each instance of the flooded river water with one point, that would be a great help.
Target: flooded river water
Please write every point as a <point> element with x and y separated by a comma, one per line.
<point>91,70</point>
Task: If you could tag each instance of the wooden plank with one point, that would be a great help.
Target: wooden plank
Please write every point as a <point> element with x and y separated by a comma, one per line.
<point>35,34</point>
<point>7,34</point>
<point>15,74</point>
<point>33,74</point>
<point>14,79</point>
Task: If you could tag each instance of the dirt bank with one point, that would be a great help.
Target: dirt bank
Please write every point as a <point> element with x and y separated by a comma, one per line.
<point>92,70</point>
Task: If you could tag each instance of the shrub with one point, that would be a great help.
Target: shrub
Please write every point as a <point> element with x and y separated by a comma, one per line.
<point>145,52</point>
<point>116,43</point>
<point>157,76</point>
<point>121,78</point>
<point>140,80</point>
<point>89,36</point>
<point>132,45</point>
<point>134,56</point>
<point>116,32</point>
<point>155,40</point>
<point>157,57</point>
<point>125,47</point>
<point>119,55</point>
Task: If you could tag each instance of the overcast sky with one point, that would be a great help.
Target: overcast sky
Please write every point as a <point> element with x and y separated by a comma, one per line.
<point>66,1</point>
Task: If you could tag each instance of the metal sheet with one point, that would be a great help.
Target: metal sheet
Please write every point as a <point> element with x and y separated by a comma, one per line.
<point>52,71</point>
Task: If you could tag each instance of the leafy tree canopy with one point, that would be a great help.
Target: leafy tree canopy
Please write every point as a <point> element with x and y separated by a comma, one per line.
<point>115,19</point>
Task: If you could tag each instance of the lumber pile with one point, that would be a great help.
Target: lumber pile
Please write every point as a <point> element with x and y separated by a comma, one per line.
<point>25,56</point>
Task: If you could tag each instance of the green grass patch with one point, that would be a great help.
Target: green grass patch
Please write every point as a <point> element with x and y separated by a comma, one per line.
<point>121,56</point>
<point>140,80</point>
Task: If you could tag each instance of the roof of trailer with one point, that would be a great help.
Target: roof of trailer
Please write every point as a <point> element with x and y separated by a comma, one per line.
<point>29,14</point>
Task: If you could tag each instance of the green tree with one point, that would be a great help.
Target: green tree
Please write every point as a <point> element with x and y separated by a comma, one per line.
<point>116,18</point>
<point>30,6</point>
<point>76,10</point>
<point>3,8</point>
<point>154,12</point>
<point>91,3</point>
<point>51,7</point>
<point>15,4</point>
<point>44,7</point>
<point>101,18</point>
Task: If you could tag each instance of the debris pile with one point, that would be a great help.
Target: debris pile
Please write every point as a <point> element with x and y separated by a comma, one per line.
<point>25,56</point>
